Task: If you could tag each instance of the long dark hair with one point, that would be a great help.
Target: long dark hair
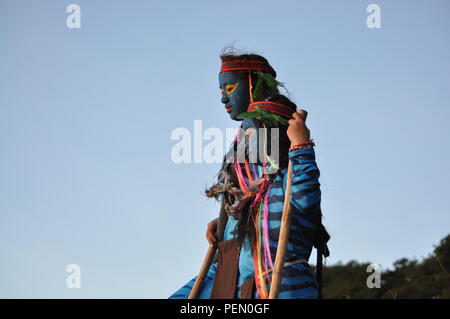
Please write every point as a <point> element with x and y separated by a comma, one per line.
<point>227,187</point>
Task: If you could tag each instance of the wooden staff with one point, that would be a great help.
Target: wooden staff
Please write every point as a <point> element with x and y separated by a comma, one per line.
<point>210,254</point>
<point>283,239</point>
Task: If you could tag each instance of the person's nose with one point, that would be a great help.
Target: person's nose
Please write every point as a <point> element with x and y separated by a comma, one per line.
<point>225,99</point>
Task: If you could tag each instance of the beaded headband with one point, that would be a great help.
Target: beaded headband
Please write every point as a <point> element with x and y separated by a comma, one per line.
<point>273,107</point>
<point>256,65</point>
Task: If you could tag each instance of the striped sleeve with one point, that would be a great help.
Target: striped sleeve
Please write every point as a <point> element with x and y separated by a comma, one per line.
<point>305,186</point>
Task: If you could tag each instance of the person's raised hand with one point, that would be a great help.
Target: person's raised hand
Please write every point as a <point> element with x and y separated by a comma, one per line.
<point>297,131</point>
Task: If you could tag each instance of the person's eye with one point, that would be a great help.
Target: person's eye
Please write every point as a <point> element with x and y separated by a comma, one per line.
<point>230,88</point>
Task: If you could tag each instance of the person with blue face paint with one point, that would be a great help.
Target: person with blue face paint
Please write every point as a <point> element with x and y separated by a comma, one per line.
<point>235,93</point>
<point>252,193</point>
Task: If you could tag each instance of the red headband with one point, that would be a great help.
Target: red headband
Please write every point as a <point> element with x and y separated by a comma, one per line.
<point>246,65</point>
<point>273,107</point>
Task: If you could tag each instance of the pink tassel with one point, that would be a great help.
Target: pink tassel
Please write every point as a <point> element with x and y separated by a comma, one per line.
<point>266,230</point>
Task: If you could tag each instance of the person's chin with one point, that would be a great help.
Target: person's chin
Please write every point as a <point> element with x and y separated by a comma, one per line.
<point>234,117</point>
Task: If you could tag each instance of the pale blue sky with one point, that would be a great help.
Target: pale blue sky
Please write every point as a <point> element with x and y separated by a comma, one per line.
<point>86,117</point>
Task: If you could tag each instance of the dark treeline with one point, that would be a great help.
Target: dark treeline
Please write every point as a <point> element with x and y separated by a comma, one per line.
<point>429,278</point>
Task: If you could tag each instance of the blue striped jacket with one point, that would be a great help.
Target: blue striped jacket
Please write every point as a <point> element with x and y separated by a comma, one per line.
<point>297,280</point>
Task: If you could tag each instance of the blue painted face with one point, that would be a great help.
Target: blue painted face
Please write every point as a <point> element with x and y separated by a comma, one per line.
<point>235,94</point>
